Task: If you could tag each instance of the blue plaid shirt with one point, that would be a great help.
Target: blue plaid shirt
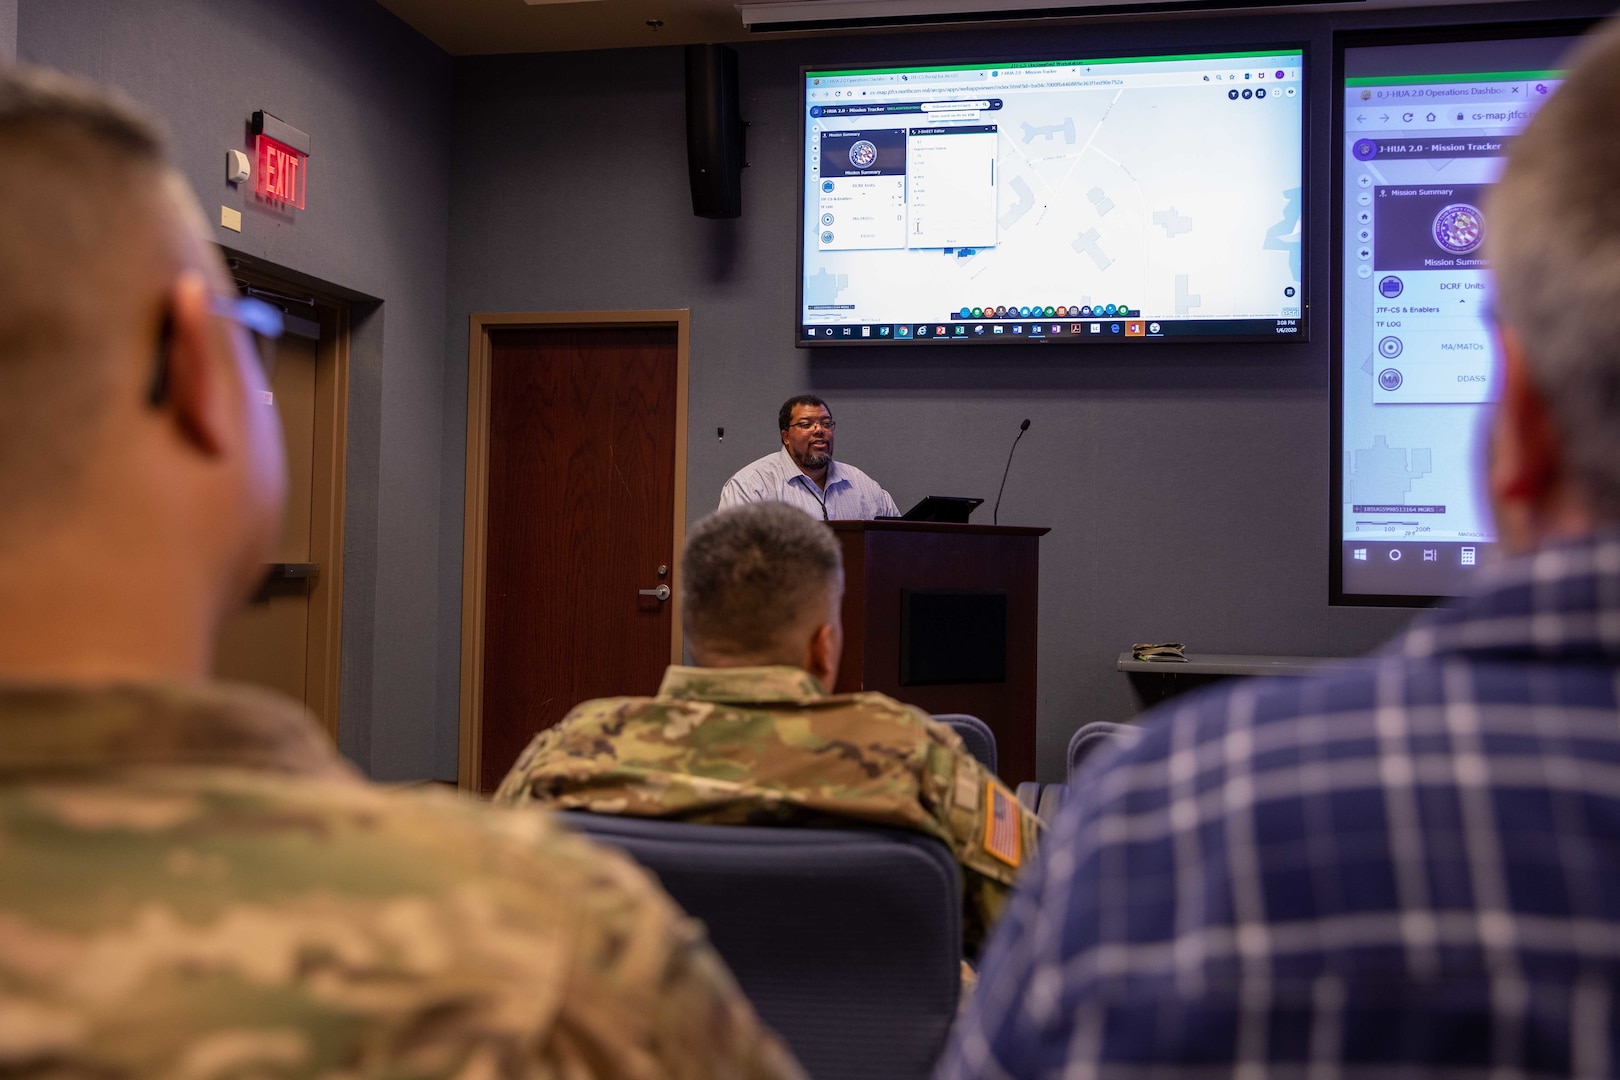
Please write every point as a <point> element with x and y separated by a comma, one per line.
<point>1409,868</point>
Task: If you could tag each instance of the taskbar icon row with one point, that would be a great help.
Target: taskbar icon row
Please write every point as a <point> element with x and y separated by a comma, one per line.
<point>1061,311</point>
<point>960,331</point>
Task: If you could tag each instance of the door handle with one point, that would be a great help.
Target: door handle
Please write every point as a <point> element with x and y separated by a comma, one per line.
<point>280,577</point>
<point>662,592</point>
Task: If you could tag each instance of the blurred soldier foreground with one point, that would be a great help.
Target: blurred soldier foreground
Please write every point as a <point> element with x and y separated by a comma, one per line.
<point>192,884</point>
<point>750,738</point>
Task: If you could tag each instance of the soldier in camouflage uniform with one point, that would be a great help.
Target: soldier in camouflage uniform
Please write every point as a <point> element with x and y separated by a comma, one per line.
<point>192,884</point>
<point>750,737</point>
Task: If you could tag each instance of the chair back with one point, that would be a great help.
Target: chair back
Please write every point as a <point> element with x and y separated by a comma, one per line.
<point>1091,738</point>
<point>976,735</point>
<point>847,941</point>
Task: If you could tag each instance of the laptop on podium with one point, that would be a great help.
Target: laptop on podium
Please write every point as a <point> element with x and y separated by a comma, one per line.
<point>951,509</point>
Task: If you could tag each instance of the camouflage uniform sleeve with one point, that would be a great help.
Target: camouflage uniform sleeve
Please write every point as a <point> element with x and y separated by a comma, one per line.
<point>208,924</point>
<point>993,836</point>
<point>514,787</point>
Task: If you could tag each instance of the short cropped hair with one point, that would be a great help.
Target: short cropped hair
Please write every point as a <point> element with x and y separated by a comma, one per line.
<point>1553,235</point>
<point>37,103</point>
<point>80,172</point>
<point>749,572</point>
<point>784,416</point>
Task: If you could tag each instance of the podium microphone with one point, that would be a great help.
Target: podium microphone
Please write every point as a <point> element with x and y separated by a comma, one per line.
<point>996,513</point>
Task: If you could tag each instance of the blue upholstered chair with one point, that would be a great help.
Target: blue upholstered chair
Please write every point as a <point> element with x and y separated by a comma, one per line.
<point>1093,737</point>
<point>847,941</point>
<point>976,735</point>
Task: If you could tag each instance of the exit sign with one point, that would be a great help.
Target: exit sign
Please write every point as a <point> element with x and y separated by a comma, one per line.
<point>283,153</point>
<point>282,172</point>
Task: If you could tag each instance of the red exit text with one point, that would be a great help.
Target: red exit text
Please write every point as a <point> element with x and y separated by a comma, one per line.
<point>282,172</point>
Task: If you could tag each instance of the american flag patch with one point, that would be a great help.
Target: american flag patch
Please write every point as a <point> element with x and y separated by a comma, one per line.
<point>1002,836</point>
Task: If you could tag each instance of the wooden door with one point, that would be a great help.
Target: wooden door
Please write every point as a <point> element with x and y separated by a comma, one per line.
<point>267,642</point>
<point>288,637</point>
<point>581,496</point>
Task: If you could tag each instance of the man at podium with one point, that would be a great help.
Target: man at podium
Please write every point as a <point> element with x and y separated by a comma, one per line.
<point>804,474</point>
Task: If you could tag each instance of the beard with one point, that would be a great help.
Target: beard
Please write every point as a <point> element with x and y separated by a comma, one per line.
<point>814,460</point>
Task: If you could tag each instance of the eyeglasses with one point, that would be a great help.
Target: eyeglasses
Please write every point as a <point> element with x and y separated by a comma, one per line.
<point>810,425</point>
<point>258,318</point>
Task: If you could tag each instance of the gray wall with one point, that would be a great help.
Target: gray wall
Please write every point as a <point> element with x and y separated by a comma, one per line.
<point>8,30</point>
<point>1186,487</point>
<point>375,97</point>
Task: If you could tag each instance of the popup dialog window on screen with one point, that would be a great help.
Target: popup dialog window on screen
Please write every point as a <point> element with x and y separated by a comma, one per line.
<point>1426,131</point>
<point>1088,200</point>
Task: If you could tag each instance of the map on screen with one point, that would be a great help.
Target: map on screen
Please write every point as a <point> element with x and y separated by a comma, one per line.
<point>1148,197</point>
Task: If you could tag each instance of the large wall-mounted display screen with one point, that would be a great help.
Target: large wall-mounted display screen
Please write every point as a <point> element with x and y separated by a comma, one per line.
<point>1424,128</point>
<point>1113,200</point>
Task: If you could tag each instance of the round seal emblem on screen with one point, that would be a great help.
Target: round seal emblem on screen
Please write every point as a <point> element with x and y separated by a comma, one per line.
<point>1365,149</point>
<point>863,154</point>
<point>1459,228</point>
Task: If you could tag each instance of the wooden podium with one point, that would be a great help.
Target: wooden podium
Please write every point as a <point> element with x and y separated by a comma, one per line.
<point>944,617</point>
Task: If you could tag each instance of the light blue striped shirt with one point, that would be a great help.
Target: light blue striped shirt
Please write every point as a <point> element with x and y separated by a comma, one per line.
<point>851,495</point>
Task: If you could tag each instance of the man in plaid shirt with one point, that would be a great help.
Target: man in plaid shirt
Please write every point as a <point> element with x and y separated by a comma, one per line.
<point>1407,868</point>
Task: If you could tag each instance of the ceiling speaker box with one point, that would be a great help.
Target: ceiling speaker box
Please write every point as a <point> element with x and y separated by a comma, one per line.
<point>715,132</point>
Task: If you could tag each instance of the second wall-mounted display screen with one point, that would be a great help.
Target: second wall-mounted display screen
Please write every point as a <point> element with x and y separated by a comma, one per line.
<point>1114,200</point>
<point>1426,129</point>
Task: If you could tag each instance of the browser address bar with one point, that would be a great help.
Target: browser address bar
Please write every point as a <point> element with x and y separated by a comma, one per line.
<point>913,92</point>
<point>1079,84</point>
<point>1437,117</point>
